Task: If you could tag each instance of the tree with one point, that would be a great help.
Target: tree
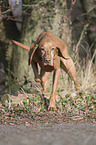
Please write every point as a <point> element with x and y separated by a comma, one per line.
<point>72,21</point>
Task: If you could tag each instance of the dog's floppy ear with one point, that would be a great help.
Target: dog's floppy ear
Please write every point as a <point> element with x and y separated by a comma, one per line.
<point>61,54</point>
<point>32,51</point>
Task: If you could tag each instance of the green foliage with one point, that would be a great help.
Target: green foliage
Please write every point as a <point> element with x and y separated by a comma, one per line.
<point>82,103</point>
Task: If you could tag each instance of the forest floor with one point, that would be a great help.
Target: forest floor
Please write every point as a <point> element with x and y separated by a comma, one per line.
<point>29,122</point>
<point>16,110</point>
<point>27,116</point>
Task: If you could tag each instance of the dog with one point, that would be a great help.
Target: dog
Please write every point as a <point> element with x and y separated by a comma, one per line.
<point>51,53</point>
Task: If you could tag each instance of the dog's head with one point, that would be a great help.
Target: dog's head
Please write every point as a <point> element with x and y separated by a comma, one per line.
<point>48,51</point>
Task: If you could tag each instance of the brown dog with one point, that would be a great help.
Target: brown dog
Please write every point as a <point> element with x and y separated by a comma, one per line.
<point>50,52</point>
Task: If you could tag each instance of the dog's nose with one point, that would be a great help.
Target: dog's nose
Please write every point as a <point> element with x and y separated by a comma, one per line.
<point>47,60</point>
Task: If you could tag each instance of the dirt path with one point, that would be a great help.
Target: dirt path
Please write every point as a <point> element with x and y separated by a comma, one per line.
<point>58,134</point>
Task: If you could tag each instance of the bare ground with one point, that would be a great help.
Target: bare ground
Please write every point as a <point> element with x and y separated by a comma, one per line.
<point>23,116</point>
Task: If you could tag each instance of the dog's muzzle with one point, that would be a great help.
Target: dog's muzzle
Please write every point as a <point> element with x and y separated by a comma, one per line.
<point>47,61</point>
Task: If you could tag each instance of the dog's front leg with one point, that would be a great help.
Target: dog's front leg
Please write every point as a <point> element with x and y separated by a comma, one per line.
<point>35,70</point>
<point>53,95</point>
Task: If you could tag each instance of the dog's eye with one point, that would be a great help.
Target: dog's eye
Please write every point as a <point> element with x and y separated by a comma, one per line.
<point>52,48</point>
<point>42,49</point>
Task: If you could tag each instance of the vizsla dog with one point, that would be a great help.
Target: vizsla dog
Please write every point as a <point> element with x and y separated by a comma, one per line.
<point>50,52</point>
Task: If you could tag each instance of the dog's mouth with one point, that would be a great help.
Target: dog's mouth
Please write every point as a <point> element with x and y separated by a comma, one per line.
<point>47,64</point>
<point>48,67</point>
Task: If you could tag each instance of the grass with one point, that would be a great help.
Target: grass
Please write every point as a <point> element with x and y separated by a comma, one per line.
<point>68,100</point>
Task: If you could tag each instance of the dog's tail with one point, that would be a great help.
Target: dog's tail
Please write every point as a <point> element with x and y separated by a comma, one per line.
<point>21,45</point>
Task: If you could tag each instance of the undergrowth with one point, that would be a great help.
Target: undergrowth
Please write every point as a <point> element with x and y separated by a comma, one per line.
<point>77,102</point>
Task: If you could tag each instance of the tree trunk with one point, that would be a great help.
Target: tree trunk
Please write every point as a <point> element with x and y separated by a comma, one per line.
<point>41,16</point>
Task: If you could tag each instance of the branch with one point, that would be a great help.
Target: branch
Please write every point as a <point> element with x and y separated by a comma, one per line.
<point>33,4</point>
<point>81,37</point>
<point>9,10</point>
<point>89,10</point>
<point>92,59</point>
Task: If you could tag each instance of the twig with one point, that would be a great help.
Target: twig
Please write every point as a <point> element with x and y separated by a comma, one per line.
<point>88,10</point>
<point>33,5</point>
<point>81,37</point>
<point>92,59</point>
<point>73,2</point>
<point>9,10</point>
<point>85,50</point>
<point>24,92</point>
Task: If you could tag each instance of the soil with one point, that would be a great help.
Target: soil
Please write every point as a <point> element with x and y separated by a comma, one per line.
<point>27,116</point>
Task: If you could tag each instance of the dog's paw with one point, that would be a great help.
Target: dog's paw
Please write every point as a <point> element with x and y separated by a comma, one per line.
<point>52,106</point>
<point>37,80</point>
